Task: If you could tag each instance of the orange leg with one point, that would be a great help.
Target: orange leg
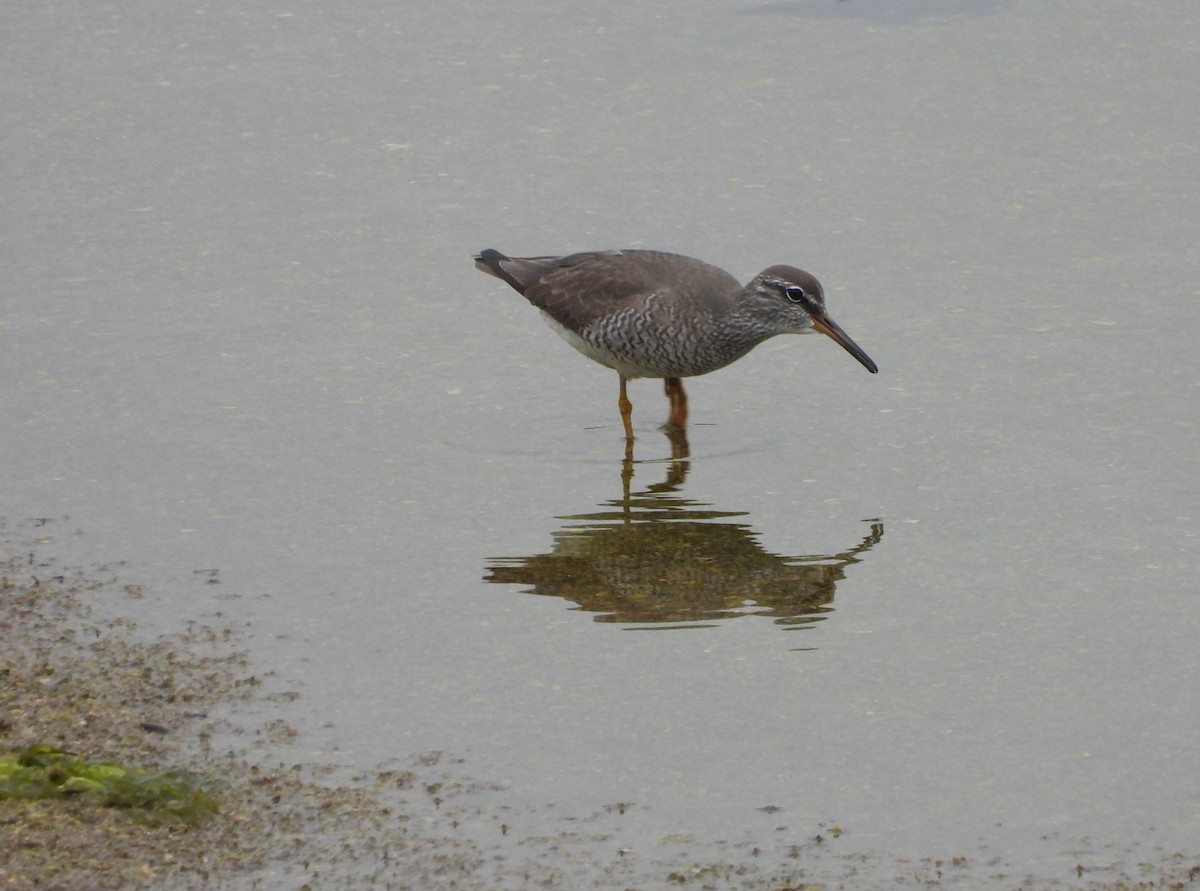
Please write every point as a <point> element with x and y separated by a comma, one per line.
<point>626,408</point>
<point>673,387</point>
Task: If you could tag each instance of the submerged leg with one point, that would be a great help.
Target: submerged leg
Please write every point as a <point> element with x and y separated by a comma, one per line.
<point>673,387</point>
<point>626,408</point>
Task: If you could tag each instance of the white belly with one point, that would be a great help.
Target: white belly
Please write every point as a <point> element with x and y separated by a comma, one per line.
<point>604,357</point>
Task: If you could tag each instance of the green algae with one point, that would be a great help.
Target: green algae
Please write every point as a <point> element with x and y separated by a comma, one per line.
<point>42,772</point>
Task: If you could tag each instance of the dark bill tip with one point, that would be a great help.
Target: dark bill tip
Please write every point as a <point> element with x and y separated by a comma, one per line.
<point>831,329</point>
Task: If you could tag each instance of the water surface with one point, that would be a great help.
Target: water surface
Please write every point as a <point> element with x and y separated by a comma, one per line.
<point>948,609</point>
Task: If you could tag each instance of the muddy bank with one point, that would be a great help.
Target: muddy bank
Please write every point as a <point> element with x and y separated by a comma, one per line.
<point>88,686</point>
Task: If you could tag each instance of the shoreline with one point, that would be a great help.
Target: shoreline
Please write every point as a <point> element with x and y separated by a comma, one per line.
<point>87,685</point>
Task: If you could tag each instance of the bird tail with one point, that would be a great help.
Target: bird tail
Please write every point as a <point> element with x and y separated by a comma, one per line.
<point>490,261</point>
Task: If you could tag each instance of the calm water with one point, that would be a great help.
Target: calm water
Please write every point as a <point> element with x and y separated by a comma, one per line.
<point>948,608</point>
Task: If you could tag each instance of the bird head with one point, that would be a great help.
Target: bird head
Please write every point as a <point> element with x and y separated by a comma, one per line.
<point>793,302</point>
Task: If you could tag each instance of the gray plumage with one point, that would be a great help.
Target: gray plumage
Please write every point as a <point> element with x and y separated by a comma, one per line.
<point>653,314</point>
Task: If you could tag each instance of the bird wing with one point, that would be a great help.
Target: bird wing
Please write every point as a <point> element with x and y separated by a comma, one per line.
<point>579,289</point>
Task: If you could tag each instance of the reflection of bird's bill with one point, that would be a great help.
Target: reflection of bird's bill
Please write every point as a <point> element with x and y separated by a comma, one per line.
<point>831,328</point>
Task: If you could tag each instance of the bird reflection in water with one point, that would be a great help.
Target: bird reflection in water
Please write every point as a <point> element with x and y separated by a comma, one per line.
<point>657,559</point>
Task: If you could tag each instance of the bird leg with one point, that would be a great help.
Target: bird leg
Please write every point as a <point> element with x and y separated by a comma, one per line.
<point>626,408</point>
<point>673,387</point>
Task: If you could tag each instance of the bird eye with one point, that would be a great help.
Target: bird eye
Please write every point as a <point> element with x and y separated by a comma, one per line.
<point>795,294</point>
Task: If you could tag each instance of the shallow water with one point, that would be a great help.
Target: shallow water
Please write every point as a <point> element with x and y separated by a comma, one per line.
<point>947,608</point>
